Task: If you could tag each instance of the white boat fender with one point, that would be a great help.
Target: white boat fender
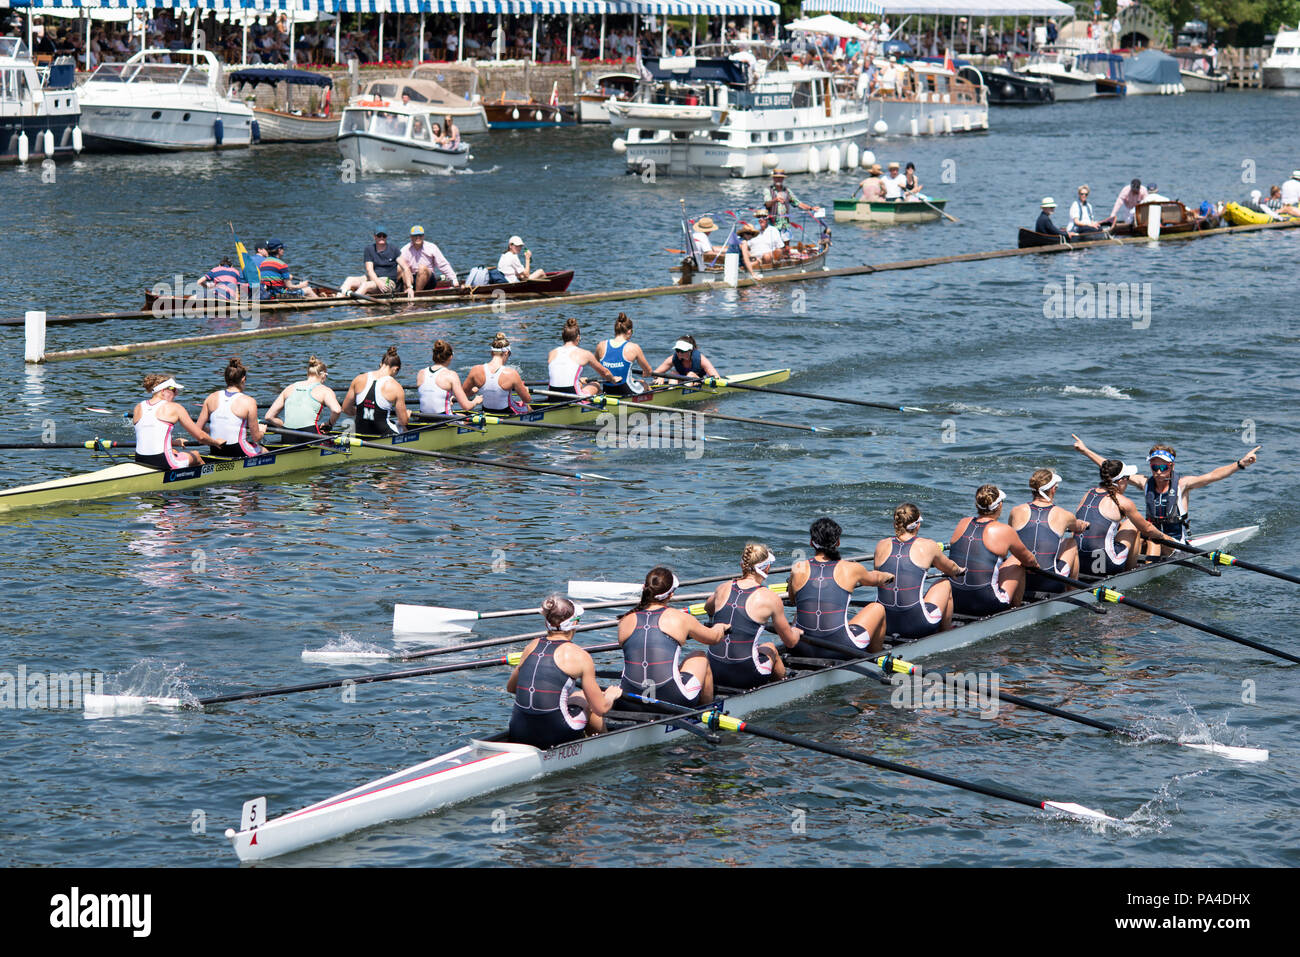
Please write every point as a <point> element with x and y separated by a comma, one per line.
<point>814,160</point>
<point>48,143</point>
<point>770,160</point>
<point>881,127</point>
<point>24,148</point>
<point>515,115</point>
<point>851,156</point>
<point>867,158</point>
<point>620,145</point>
<point>76,139</point>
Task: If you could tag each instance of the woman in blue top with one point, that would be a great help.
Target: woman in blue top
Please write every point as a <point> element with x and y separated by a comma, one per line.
<point>618,355</point>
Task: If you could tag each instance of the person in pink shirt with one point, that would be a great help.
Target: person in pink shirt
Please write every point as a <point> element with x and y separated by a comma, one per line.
<point>425,261</point>
<point>1129,198</point>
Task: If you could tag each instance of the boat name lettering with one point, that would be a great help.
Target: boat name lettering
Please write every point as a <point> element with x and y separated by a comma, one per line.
<point>532,417</point>
<point>564,751</point>
<point>253,461</point>
<point>406,437</point>
<point>765,101</point>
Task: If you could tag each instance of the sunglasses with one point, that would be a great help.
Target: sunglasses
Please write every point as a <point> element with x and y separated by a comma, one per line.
<point>1161,467</point>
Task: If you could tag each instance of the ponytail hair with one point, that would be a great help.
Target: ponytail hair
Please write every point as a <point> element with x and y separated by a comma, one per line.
<point>391,359</point>
<point>441,352</point>
<point>660,580</point>
<point>622,325</point>
<point>315,366</point>
<point>754,555</point>
<point>557,609</point>
<point>571,331</point>
<point>824,535</point>
<point>1109,470</point>
<point>500,343</point>
<point>235,372</point>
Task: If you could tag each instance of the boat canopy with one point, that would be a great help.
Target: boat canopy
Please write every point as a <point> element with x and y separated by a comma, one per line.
<point>697,69</point>
<point>419,90</point>
<point>256,75</point>
<point>1107,64</point>
<point>1152,66</point>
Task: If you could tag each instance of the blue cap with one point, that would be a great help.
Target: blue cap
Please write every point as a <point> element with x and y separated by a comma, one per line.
<point>274,244</point>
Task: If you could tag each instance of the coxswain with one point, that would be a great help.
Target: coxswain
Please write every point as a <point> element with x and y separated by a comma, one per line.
<point>1167,492</point>
<point>501,386</point>
<point>993,557</point>
<point>438,385</point>
<point>377,399</point>
<point>233,416</point>
<point>1044,224</point>
<point>822,587</point>
<point>652,635</point>
<point>305,403</point>
<point>1109,544</point>
<point>1048,530</point>
<point>557,699</point>
<point>154,419</point>
<point>741,660</point>
<point>687,360</point>
<point>618,355</point>
<point>912,611</point>
<point>565,363</point>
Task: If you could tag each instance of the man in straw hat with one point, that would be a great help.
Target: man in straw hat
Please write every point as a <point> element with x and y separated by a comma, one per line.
<point>779,200</point>
<point>1291,190</point>
<point>701,237</point>
<point>1045,224</point>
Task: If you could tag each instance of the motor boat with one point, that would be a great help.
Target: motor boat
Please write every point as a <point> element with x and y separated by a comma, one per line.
<point>593,101</point>
<point>380,134</point>
<point>39,108</point>
<point>162,100</point>
<point>920,98</point>
<point>289,125</point>
<point>1282,68</point>
<point>1059,65</point>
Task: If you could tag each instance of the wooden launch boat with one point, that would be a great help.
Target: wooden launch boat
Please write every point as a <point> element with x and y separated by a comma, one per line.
<point>886,213</point>
<point>515,112</point>
<point>554,284</point>
<point>1174,218</point>
<point>801,258</point>
<point>312,125</point>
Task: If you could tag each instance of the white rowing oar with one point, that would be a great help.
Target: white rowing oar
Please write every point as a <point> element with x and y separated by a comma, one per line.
<point>434,620</point>
<point>722,382</point>
<point>715,720</point>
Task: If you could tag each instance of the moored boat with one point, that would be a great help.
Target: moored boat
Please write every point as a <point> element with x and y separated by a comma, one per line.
<point>1153,73</point>
<point>493,763</point>
<point>886,213</point>
<point>802,258</point>
<point>312,125</point>
<point>1281,71</point>
<point>131,478</point>
<point>1198,72</point>
<point>1174,218</point>
<point>514,111</point>
<point>593,102</point>
<point>1240,214</point>
<point>38,119</point>
<point>1009,88</point>
<point>927,99</point>
<point>1029,239</point>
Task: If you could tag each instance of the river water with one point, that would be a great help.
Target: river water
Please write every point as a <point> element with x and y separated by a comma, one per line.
<point>222,589</point>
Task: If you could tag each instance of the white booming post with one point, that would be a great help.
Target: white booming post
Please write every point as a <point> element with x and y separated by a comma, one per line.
<point>338,33</point>
<point>244,54</point>
<point>534,57</point>
<point>1153,223</point>
<point>421,36</point>
<point>460,40</point>
<point>293,52</point>
<point>602,36</point>
<point>381,38</point>
<point>731,269</point>
<point>663,39</point>
<point>87,41</point>
<point>568,41</point>
<point>694,23</point>
<point>35,329</point>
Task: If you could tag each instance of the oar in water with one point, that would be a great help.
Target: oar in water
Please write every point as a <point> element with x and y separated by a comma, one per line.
<point>715,720</point>
<point>134,704</point>
<point>1219,557</point>
<point>610,400</point>
<point>1119,598</point>
<point>434,619</point>
<point>936,208</point>
<point>95,445</point>
<point>352,440</point>
<point>723,382</point>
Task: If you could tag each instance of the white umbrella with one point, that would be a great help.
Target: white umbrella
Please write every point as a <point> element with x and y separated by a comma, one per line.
<point>828,23</point>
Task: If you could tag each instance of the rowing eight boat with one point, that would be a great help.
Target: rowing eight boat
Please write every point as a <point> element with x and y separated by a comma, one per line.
<point>131,478</point>
<point>490,764</point>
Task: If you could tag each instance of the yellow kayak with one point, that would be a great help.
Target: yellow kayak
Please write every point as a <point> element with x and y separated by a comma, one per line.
<point>1238,215</point>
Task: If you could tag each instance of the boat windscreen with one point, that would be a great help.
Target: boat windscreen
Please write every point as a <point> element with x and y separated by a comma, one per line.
<point>705,71</point>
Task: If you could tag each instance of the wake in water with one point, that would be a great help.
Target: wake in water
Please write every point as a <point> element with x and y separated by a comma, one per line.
<point>1104,392</point>
<point>148,678</point>
<point>346,649</point>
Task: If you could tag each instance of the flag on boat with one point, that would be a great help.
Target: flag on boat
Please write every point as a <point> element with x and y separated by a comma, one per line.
<point>947,60</point>
<point>555,93</point>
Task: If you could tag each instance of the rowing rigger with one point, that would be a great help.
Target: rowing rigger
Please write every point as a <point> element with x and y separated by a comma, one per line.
<point>487,765</point>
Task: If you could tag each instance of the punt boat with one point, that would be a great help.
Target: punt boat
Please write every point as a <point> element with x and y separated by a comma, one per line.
<point>491,764</point>
<point>131,478</point>
<point>804,257</point>
<point>886,213</point>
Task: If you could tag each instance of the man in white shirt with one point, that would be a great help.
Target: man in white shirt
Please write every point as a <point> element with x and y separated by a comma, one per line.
<point>767,246</point>
<point>1291,190</point>
<point>1127,201</point>
<point>425,260</point>
<point>703,241</point>
<point>895,183</point>
<point>514,269</point>
<point>452,45</point>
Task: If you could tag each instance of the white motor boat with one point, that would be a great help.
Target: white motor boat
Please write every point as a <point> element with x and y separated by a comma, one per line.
<point>1282,68</point>
<point>1058,65</point>
<point>593,102</point>
<point>919,98</point>
<point>38,108</point>
<point>734,116</point>
<point>162,100</point>
<point>392,136</point>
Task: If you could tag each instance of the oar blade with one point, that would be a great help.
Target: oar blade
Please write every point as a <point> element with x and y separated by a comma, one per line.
<point>431,620</point>
<point>1078,810</point>
<point>116,705</point>
<point>1231,752</point>
<point>604,591</point>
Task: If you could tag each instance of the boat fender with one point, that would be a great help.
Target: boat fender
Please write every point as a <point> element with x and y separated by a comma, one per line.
<point>1008,90</point>
<point>256,129</point>
<point>24,148</point>
<point>76,139</point>
<point>47,141</point>
<point>218,130</point>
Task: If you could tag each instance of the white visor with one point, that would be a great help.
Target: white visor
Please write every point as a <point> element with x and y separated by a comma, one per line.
<point>914,526</point>
<point>571,622</point>
<point>1128,471</point>
<point>669,593</point>
<point>683,345</point>
<point>1050,484</point>
<point>1002,497</point>
<point>761,568</point>
<point>169,384</point>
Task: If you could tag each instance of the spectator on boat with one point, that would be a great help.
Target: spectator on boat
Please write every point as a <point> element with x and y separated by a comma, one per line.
<point>383,267</point>
<point>1045,224</point>
<point>277,281</point>
<point>894,183</point>
<point>1082,219</point>
<point>703,227</point>
<point>304,403</point>
<point>779,201</point>
<point>232,415</point>
<point>224,279</point>
<point>769,245</point>
<point>513,268</point>
<point>1153,196</point>
<point>687,360</point>
<point>1127,201</point>
<point>451,133</point>
<point>424,261</point>
<point>873,187</point>
<point>1291,190</point>
<point>911,185</point>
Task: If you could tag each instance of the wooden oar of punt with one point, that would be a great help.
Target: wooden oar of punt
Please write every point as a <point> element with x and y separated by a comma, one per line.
<point>715,720</point>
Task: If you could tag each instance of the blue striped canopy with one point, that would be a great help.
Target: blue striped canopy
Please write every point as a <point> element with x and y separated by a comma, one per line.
<point>867,7</point>
<point>267,5</point>
<point>757,8</point>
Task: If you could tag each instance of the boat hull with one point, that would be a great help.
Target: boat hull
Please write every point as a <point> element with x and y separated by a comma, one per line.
<point>381,154</point>
<point>485,766</point>
<point>528,116</point>
<point>1030,239</point>
<point>886,213</point>
<point>1282,77</point>
<point>1197,82</point>
<point>277,127</point>
<point>914,118</point>
<point>810,261</point>
<point>108,127</point>
<point>130,478</point>
<point>12,127</point>
<point>1138,88</point>
<point>628,114</point>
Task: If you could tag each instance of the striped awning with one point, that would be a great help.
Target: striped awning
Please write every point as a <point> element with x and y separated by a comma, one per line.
<point>507,7</point>
<point>865,7</point>
<point>954,8</point>
<point>680,8</point>
<point>266,5</point>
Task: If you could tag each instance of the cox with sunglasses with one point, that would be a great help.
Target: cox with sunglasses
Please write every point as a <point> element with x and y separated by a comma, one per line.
<point>1167,491</point>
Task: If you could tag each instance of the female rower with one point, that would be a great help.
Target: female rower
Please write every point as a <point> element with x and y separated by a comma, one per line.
<point>907,557</point>
<point>438,384</point>
<point>1167,492</point>
<point>618,354</point>
<point>377,398</point>
<point>154,420</point>
<point>994,558</point>
<point>652,635</point>
<point>1109,544</point>
<point>565,364</point>
<point>500,386</point>
<point>1045,529</point>
<point>687,360</point>
<point>304,403</point>
<point>748,606</point>
<point>822,588</point>
<point>235,422</point>
<point>557,699</point>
